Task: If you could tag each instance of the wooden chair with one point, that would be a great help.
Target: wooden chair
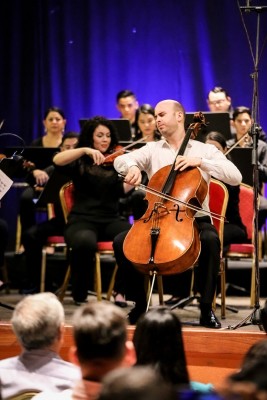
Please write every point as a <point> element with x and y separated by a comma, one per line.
<point>55,242</point>
<point>218,200</point>
<point>245,250</point>
<point>103,248</point>
<point>26,395</point>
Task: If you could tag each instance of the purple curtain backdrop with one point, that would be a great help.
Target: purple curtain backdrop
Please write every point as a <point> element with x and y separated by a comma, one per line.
<point>77,54</point>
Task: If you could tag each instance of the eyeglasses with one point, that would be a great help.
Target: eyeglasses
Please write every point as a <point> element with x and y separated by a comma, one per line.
<point>219,102</point>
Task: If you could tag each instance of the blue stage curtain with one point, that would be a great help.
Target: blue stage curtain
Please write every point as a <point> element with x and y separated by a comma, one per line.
<point>77,54</point>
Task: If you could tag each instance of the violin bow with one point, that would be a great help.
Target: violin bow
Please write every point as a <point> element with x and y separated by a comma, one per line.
<point>177,201</point>
<point>236,144</point>
<point>126,147</point>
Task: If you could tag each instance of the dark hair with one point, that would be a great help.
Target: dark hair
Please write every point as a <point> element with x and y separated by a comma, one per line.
<point>217,137</point>
<point>241,110</point>
<point>86,136</point>
<point>218,89</point>
<point>158,342</point>
<point>70,135</point>
<point>100,331</point>
<point>54,109</point>
<point>136,383</point>
<point>124,93</point>
<point>255,372</point>
<point>255,353</point>
<point>147,109</point>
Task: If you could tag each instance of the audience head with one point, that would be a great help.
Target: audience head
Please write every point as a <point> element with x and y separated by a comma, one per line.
<point>100,337</point>
<point>93,131</point>
<point>38,321</point>
<point>137,383</point>
<point>219,100</point>
<point>263,316</point>
<point>256,352</point>
<point>127,104</point>
<point>248,383</point>
<point>54,120</point>
<point>217,139</point>
<point>147,123</point>
<point>69,141</point>
<point>159,343</point>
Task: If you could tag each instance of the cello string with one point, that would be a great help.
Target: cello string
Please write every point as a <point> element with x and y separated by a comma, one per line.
<point>177,201</point>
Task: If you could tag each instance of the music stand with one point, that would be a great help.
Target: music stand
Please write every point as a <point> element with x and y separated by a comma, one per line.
<point>9,167</point>
<point>122,125</point>
<point>242,158</point>
<point>254,317</point>
<point>216,121</point>
<point>50,192</point>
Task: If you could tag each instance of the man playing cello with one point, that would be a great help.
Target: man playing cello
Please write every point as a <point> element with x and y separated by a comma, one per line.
<point>170,118</point>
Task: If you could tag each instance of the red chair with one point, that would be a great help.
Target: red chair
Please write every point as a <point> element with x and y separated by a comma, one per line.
<point>245,250</point>
<point>66,195</point>
<point>55,242</point>
<point>218,199</point>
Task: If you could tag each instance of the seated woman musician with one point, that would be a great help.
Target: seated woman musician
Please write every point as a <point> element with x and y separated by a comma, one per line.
<point>146,129</point>
<point>54,126</point>
<point>95,214</point>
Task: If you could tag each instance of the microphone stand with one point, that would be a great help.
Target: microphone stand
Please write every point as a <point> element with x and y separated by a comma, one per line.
<point>254,318</point>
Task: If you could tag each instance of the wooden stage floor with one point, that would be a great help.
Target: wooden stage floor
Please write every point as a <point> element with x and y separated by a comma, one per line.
<point>211,354</point>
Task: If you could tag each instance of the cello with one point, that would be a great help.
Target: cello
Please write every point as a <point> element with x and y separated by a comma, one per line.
<point>166,239</point>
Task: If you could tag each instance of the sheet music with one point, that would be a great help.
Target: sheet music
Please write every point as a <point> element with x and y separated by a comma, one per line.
<point>5,184</point>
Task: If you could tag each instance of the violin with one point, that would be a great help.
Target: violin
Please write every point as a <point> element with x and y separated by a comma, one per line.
<point>109,158</point>
<point>166,238</point>
<point>119,150</point>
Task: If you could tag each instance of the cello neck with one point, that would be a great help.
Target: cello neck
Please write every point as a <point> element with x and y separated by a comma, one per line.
<point>191,130</point>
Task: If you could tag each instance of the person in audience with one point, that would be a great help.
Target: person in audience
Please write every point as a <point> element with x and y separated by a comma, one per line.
<point>138,383</point>
<point>263,316</point>
<point>161,325</point>
<point>250,381</point>
<point>3,246</point>
<point>38,323</point>
<point>35,237</point>
<point>170,116</point>
<point>54,125</point>
<point>127,105</point>
<point>95,214</point>
<point>242,122</point>
<point>100,346</point>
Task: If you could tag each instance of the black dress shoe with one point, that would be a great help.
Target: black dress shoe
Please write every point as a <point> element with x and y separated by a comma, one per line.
<point>172,301</point>
<point>209,320</point>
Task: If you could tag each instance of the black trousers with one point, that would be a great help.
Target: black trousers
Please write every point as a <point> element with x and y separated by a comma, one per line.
<point>33,240</point>
<point>131,282</point>
<point>82,236</point>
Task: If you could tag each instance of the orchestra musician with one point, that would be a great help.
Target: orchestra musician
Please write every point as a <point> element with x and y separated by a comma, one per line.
<point>95,214</point>
<point>170,118</point>
<point>242,122</point>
